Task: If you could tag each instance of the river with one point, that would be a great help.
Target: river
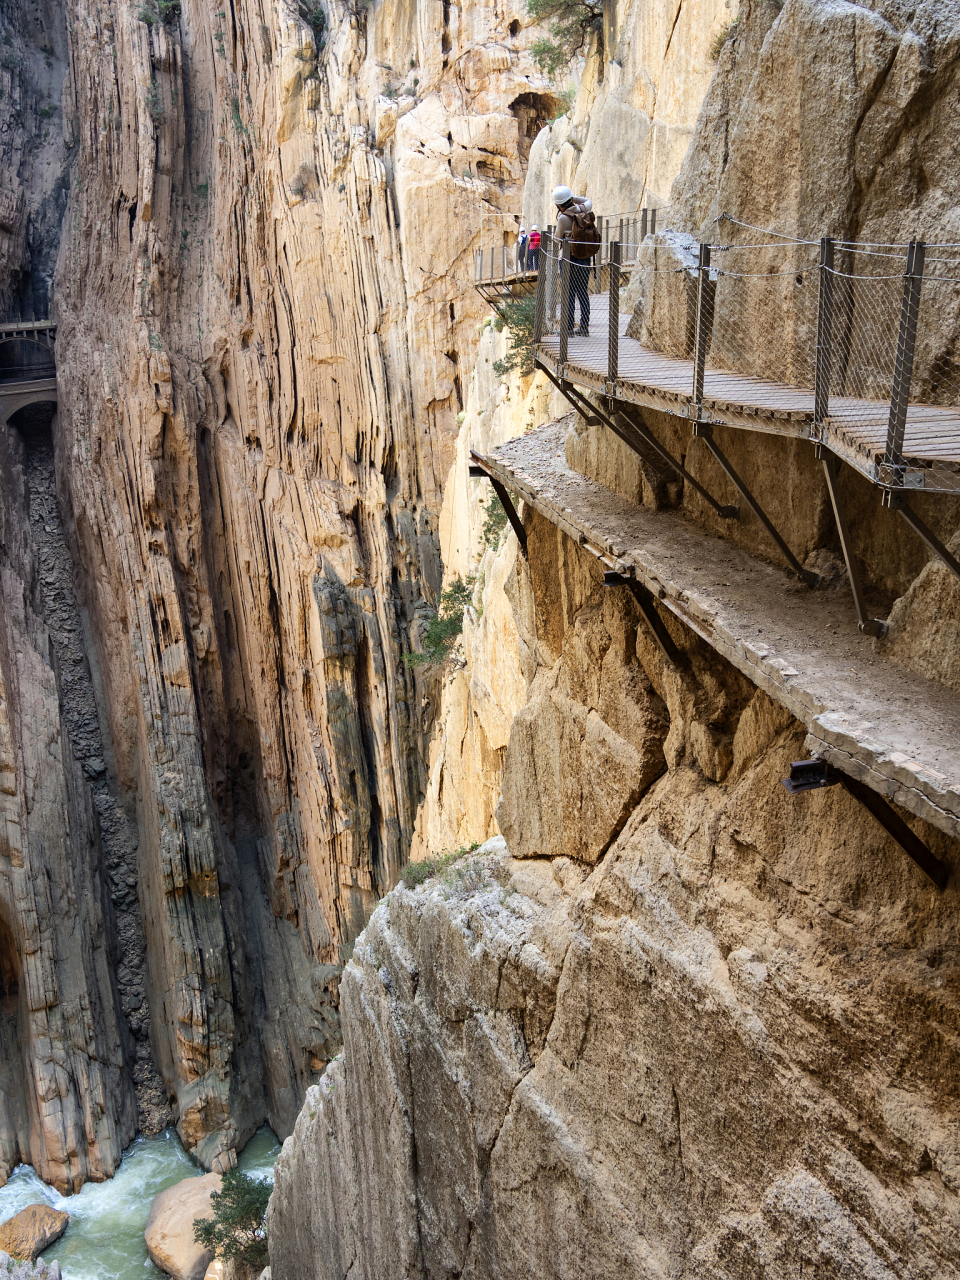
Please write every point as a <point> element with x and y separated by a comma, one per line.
<point>104,1240</point>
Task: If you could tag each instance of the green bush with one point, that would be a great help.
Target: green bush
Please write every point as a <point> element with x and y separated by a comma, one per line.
<point>495,522</point>
<point>237,1230</point>
<point>571,22</point>
<point>415,874</point>
<point>314,13</point>
<point>445,627</point>
<point>518,316</point>
<point>723,35</point>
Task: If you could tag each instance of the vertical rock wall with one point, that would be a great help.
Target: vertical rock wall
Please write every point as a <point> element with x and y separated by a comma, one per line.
<point>264,317</point>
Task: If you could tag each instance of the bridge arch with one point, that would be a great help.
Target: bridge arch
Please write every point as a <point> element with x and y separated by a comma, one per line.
<point>18,395</point>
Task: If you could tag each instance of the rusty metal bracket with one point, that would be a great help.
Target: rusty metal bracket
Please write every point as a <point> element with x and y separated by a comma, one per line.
<point>897,501</point>
<point>653,620</point>
<point>478,471</point>
<point>705,433</point>
<point>810,775</point>
<point>831,466</point>
<point>628,432</point>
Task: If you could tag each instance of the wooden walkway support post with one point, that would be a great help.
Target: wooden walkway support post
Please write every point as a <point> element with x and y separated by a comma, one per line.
<point>893,469</point>
<point>613,321</point>
<point>821,406</point>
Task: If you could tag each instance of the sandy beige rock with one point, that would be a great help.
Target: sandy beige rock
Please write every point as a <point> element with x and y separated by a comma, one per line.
<point>719,1049</point>
<point>169,1229</point>
<point>32,1230</point>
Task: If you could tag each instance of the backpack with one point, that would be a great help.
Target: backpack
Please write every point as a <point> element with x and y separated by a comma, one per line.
<point>535,240</point>
<point>584,238</point>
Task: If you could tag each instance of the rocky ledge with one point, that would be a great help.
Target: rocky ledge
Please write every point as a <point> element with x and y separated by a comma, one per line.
<point>532,1049</point>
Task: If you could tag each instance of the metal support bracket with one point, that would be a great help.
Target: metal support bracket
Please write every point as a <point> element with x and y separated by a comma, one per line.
<point>479,472</point>
<point>868,626</point>
<point>629,431</point>
<point>644,599</point>
<point>810,775</point>
<point>897,501</point>
<point>704,432</point>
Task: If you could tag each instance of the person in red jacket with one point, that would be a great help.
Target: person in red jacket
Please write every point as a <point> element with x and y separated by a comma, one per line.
<point>533,250</point>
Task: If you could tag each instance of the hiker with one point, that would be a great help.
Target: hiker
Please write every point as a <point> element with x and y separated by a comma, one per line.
<point>533,250</point>
<point>576,223</point>
<point>522,250</point>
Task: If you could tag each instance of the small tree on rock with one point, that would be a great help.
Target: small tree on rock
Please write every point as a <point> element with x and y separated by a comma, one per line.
<point>237,1231</point>
<point>571,22</point>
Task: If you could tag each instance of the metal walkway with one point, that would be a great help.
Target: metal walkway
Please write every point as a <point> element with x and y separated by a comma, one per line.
<point>853,347</point>
<point>855,429</point>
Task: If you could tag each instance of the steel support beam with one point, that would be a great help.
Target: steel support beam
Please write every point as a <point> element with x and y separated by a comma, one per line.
<point>629,432</point>
<point>477,472</point>
<point>868,626</point>
<point>705,433</point>
<point>897,501</point>
<point>811,775</point>
<point>648,609</point>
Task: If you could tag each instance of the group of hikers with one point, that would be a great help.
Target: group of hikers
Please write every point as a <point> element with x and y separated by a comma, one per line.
<point>576,223</point>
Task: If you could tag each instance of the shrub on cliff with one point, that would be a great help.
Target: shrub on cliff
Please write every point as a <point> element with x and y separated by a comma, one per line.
<point>237,1231</point>
<point>518,316</point>
<point>571,22</point>
<point>445,626</point>
<point>415,874</point>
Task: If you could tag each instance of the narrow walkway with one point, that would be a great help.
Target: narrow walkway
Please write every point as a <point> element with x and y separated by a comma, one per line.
<point>856,429</point>
<point>893,730</point>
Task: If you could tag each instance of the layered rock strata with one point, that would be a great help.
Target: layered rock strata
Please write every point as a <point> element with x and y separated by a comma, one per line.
<point>708,1035</point>
<point>264,323</point>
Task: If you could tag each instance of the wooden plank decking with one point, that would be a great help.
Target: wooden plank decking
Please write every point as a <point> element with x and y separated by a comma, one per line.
<point>856,429</point>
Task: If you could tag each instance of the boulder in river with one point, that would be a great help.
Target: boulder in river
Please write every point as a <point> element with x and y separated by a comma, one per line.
<point>169,1230</point>
<point>30,1231</point>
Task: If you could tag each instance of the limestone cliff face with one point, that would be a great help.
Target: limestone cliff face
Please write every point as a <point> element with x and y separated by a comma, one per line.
<point>719,1046</point>
<point>671,1022</point>
<point>263,328</point>
<point>641,88</point>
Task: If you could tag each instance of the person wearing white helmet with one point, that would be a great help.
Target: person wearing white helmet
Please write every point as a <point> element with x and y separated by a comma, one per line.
<point>522,241</point>
<point>574,224</point>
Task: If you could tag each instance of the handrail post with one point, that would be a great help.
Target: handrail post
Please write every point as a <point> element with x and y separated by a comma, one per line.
<point>703,329</point>
<point>491,262</point>
<point>503,261</point>
<point>643,225</point>
<point>564,301</point>
<point>893,467</point>
<point>540,312</point>
<point>613,319</point>
<point>653,221</point>
<point>821,398</point>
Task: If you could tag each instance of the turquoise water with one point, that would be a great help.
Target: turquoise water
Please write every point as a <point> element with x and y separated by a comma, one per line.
<point>104,1240</point>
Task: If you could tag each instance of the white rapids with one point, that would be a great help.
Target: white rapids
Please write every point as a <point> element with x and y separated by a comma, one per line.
<point>104,1240</point>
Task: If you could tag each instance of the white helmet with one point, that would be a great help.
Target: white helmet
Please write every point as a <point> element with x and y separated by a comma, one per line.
<point>562,195</point>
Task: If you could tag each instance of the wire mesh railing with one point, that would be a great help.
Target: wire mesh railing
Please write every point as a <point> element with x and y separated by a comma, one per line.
<point>502,262</point>
<point>854,345</point>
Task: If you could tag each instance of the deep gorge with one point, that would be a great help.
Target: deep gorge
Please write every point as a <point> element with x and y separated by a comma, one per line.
<point>669,1020</point>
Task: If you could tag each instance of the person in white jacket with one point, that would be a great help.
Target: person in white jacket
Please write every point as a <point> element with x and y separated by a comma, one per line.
<point>567,203</point>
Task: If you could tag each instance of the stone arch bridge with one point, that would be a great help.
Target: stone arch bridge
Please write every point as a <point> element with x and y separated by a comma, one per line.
<point>27,384</point>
